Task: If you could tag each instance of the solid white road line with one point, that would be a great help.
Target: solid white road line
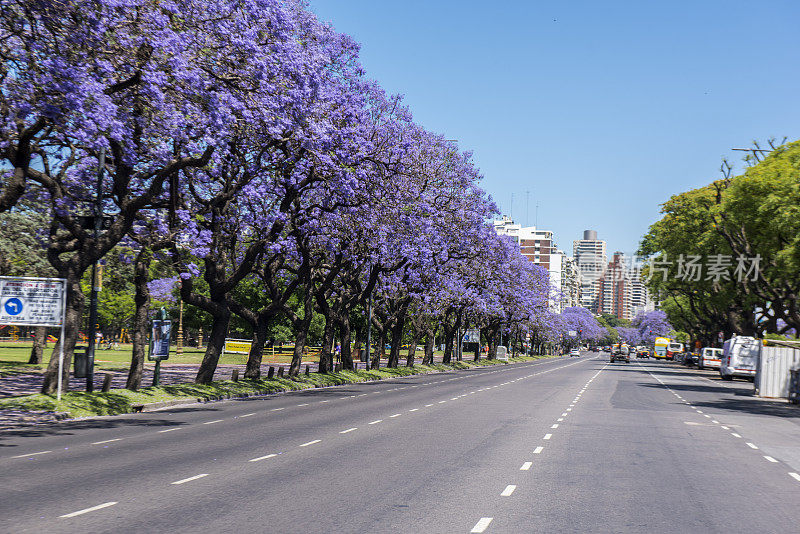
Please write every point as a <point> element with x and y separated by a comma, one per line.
<point>212,422</point>
<point>508,491</point>
<point>375,422</point>
<point>262,458</point>
<point>106,441</point>
<point>752,445</point>
<point>547,436</point>
<point>185,480</point>
<point>770,459</point>
<point>310,443</point>
<point>481,525</point>
<point>348,430</point>
<point>168,430</point>
<point>31,454</point>
<point>526,466</point>
<point>795,476</point>
<point>538,450</point>
<point>92,509</point>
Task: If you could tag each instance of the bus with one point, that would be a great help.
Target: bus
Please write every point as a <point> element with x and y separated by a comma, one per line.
<point>660,348</point>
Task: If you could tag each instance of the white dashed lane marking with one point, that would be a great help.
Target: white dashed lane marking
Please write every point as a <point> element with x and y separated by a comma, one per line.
<point>212,422</point>
<point>185,480</point>
<point>795,476</point>
<point>348,430</point>
<point>481,525</point>
<point>526,466</point>
<point>375,422</point>
<point>262,458</point>
<point>508,491</point>
<point>92,509</point>
<point>310,443</point>
<point>31,454</point>
<point>770,459</point>
<point>106,441</point>
<point>538,450</point>
<point>752,445</point>
<point>168,430</point>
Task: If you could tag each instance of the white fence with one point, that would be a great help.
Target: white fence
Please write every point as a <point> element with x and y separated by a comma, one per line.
<point>772,375</point>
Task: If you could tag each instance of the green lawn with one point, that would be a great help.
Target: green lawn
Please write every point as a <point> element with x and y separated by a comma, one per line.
<point>13,355</point>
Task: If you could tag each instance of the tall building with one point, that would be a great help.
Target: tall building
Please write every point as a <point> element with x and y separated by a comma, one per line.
<point>622,292</point>
<point>538,246</point>
<point>590,257</point>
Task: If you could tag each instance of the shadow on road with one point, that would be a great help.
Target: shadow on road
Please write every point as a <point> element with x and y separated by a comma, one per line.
<point>69,427</point>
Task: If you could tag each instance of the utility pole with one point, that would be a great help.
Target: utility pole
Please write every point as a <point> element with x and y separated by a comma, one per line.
<point>369,328</point>
<point>98,221</point>
<point>179,347</point>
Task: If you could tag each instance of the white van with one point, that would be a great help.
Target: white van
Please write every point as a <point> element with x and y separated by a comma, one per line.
<point>739,357</point>
<point>710,357</point>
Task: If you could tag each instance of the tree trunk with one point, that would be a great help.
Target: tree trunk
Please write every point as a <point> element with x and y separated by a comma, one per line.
<point>326,353</point>
<point>430,338</point>
<point>492,338</point>
<point>216,342</point>
<point>376,360</point>
<point>412,349</point>
<point>72,325</point>
<point>345,333</point>
<point>256,354</point>
<point>397,338</point>
<point>39,343</point>
<point>477,356</point>
<point>449,334</point>
<point>140,319</point>
<point>301,332</point>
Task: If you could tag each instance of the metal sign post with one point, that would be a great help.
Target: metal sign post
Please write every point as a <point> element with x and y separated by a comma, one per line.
<point>28,301</point>
<point>159,344</point>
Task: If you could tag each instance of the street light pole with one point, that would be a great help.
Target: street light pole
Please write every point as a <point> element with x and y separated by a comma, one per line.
<point>369,327</point>
<point>98,221</point>
<point>179,348</point>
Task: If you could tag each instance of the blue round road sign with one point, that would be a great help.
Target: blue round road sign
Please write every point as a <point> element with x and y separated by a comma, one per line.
<point>13,306</point>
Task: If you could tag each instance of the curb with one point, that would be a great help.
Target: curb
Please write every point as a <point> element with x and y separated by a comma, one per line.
<point>154,406</point>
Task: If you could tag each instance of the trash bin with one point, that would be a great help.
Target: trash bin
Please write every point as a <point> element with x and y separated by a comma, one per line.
<point>794,386</point>
<point>81,360</point>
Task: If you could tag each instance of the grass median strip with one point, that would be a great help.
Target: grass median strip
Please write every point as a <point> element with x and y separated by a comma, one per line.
<point>120,401</point>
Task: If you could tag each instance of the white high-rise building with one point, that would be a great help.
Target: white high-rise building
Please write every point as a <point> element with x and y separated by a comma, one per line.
<point>538,246</point>
<point>590,257</point>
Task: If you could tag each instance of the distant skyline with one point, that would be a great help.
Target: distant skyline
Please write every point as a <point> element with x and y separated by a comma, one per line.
<point>601,111</point>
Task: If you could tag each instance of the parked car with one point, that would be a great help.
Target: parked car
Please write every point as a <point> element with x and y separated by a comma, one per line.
<point>709,357</point>
<point>574,352</point>
<point>643,352</point>
<point>739,357</point>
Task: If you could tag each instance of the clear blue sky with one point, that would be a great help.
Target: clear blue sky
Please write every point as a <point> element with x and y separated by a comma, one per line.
<point>601,110</point>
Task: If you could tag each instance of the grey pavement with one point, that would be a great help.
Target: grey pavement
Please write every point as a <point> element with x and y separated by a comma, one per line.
<point>561,445</point>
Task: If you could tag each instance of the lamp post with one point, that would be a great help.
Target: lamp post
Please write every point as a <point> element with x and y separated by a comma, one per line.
<point>179,347</point>
<point>98,221</point>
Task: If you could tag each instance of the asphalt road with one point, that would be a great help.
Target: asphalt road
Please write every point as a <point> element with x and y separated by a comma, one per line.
<point>563,445</point>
